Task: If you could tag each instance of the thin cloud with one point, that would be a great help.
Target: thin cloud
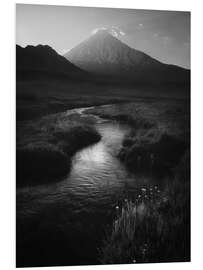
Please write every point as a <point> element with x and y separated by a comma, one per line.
<point>113,30</point>
<point>98,29</point>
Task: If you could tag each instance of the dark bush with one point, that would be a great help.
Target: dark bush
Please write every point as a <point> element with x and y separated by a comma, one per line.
<point>76,138</point>
<point>163,154</point>
<point>41,164</point>
<point>136,123</point>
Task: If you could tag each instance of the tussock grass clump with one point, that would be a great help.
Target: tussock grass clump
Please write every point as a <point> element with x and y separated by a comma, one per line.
<point>76,138</point>
<point>160,155</point>
<point>45,153</point>
<point>137,122</point>
<point>132,231</point>
<point>40,163</point>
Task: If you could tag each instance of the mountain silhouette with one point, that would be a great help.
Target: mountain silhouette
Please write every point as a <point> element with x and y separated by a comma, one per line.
<point>104,54</point>
<point>43,61</point>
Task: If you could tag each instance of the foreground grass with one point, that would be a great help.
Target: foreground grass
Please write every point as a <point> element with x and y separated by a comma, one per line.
<point>155,226</point>
<point>45,148</point>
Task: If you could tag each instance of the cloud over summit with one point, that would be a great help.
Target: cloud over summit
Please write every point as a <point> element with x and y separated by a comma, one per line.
<point>113,30</point>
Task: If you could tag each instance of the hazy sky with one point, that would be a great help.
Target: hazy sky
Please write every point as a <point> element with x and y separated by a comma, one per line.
<point>164,35</point>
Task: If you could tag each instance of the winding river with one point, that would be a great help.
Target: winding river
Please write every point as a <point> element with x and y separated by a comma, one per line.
<point>64,223</point>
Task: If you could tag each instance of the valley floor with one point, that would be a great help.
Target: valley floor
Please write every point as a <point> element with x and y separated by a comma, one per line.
<point>50,132</point>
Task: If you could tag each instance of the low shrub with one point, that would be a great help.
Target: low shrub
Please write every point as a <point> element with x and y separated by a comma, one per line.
<point>135,122</point>
<point>47,157</point>
<point>160,155</point>
<point>40,163</point>
<point>76,138</point>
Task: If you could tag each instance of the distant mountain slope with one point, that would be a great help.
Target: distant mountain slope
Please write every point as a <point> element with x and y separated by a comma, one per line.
<point>106,55</point>
<point>42,60</point>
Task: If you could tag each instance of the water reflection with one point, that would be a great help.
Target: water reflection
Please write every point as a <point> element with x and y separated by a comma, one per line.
<point>94,154</point>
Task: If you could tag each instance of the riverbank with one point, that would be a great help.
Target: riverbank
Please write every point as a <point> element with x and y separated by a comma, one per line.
<point>153,226</point>
<point>45,147</point>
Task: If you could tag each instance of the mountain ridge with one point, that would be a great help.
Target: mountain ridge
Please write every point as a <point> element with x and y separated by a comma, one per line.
<point>43,60</point>
<point>104,54</point>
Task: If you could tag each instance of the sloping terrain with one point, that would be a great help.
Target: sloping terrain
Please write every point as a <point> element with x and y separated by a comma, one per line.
<point>104,54</point>
<point>42,61</point>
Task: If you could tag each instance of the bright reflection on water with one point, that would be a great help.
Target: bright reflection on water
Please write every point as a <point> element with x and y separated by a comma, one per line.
<point>96,171</point>
<point>95,154</point>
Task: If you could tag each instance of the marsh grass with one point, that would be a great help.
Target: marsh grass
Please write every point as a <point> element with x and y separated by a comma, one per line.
<point>146,153</point>
<point>45,148</point>
<point>155,226</point>
<point>76,138</point>
<point>40,164</point>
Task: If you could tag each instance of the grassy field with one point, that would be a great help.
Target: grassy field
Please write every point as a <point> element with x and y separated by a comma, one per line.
<point>43,131</point>
<point>153,227</point>
<point>149,118</point>
<point>38,98</point>
<point>54,137</point>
